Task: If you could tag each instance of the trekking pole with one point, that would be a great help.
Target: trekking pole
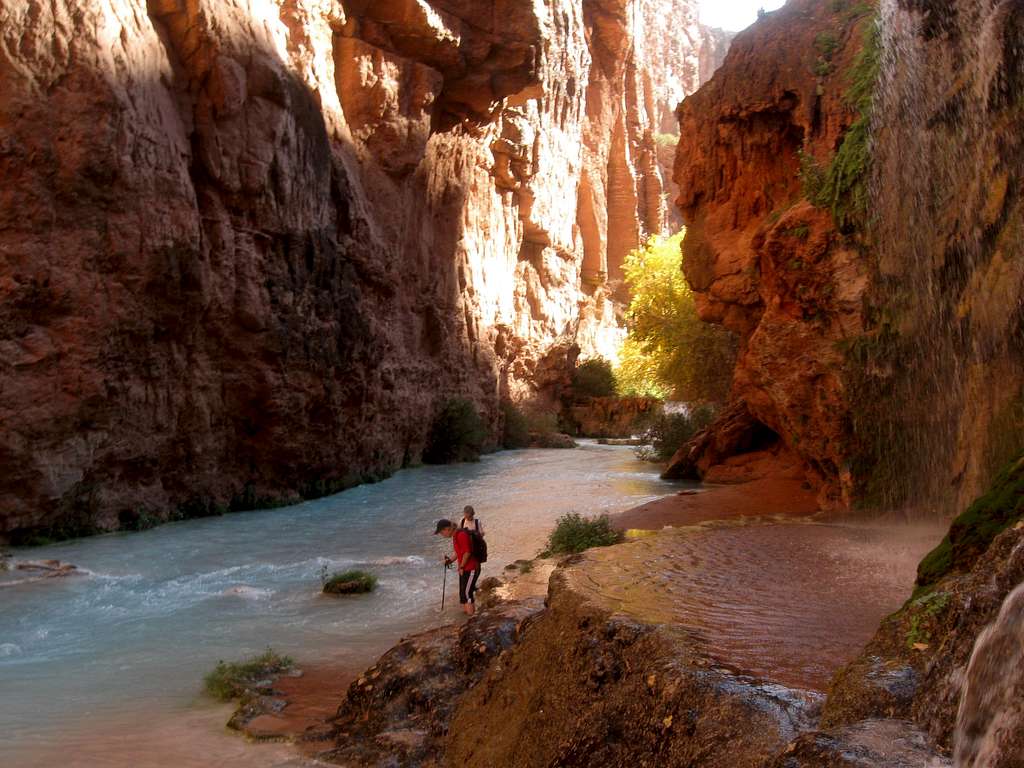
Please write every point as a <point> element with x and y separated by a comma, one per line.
<point>444,584</point>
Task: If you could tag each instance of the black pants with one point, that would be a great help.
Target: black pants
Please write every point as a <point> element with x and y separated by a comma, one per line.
<point>467,579</point>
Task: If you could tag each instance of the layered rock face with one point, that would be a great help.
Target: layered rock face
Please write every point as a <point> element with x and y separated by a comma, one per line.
<point>762,260</point>
<point>885,354</point>
<point>681,55</point>
<point>248,248</point>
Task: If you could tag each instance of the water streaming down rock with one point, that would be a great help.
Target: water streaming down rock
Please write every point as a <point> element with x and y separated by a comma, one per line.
<point>938,400</point>
<point>990,722</point>
<point>883,350</point>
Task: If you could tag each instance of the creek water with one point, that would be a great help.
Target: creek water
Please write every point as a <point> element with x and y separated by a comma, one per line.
<point>106,669</point>
<point>788,600</point>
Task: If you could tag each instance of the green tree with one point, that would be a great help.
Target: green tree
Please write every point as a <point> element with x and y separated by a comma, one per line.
<point>457,434</point>
<point>594,378</point>
<point>670,351</point>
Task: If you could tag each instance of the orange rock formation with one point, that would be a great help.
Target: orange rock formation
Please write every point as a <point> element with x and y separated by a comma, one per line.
<point>247,249</point>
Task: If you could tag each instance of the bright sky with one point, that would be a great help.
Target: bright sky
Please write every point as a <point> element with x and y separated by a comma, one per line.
<point>734,15</point>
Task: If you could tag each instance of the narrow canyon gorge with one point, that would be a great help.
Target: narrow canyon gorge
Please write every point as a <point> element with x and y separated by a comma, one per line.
<point>249,248</point>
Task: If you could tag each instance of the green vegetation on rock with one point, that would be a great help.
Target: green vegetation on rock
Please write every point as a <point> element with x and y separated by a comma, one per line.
<point>457,434</point>
<point>921,614</point>
<point>516,430</point>
<point>669,432</point>
<point>574,533</point>
<point>230,680</point>
<point>594,378</point>
<point>670,351</point>
<point>842,187</point>
<point>352,582</point>
<point>971,533</point>
<point>666,139</point>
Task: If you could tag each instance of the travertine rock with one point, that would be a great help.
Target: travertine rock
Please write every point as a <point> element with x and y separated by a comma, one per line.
<point>617,417</point>
<point>247,247</point>
<point>886,356</point>
<point>761,260</point>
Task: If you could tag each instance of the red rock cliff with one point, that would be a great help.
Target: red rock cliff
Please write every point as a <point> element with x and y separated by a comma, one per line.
<point>247,249</point>
<point>762,260</point>
<point>886,355</point>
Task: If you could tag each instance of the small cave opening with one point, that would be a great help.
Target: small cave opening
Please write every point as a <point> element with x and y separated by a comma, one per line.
<point>758,437</point>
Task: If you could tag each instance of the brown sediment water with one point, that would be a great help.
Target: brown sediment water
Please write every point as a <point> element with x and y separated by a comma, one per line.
<point>790,601</point>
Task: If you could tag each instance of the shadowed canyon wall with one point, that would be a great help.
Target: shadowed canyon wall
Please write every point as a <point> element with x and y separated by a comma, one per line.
<point>880,327</point>
<point>248,247</point>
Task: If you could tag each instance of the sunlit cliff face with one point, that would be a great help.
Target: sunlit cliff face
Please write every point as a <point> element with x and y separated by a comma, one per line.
<point>251,245</point>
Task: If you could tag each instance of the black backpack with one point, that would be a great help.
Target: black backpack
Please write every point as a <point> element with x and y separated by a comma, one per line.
<point>477,545</point>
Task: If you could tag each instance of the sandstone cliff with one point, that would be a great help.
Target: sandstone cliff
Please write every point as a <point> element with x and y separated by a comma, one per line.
<point>880,329</point>
<point>247,249</point>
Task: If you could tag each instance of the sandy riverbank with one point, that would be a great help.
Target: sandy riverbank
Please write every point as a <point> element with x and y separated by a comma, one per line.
<point>765,497</point>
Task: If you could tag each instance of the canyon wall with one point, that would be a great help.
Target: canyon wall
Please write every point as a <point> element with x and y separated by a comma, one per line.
<point>850,180</point>
<point>249,247</point>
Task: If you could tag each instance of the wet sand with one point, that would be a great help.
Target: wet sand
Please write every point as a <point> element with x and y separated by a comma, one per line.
<point>766,497</point>
<point>313,698</point>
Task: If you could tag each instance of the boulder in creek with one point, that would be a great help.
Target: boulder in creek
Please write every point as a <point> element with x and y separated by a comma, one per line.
<point>399,711</point>
<point>48,568</point>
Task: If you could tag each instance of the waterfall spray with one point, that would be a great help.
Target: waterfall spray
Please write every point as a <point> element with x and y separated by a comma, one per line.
<point>940,373</point>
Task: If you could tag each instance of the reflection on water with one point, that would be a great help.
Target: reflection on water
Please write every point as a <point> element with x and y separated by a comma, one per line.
<point>792,600</point>
<point>82,658</point>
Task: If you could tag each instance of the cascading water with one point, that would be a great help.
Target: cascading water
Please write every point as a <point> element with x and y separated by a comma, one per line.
<point>991,715</point>
<point>939,393</point>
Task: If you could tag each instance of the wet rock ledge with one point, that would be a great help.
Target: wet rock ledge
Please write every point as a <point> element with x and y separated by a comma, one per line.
<point>567,681</point>
<point>588,677</point>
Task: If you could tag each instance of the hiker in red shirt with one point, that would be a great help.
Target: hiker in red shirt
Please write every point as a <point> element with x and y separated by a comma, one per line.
<point>465,559</point>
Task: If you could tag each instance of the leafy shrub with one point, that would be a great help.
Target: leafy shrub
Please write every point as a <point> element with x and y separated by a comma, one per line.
<point>666,139</point>
<point>639,373</point>
<point>670,351</point>
<point>516,431</point>
<point>574,533</point>
<point>594,378</point>
<point>543,422</point>
<point>457,434</point>
<point>352,582</point>
<point>230,680</point>
<point>826,44</point>
<point>671,431</point>
<point>529,424</point>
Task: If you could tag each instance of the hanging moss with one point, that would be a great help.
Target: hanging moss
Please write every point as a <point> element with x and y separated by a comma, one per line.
<point>842,187</point>
<point>972,532</point>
